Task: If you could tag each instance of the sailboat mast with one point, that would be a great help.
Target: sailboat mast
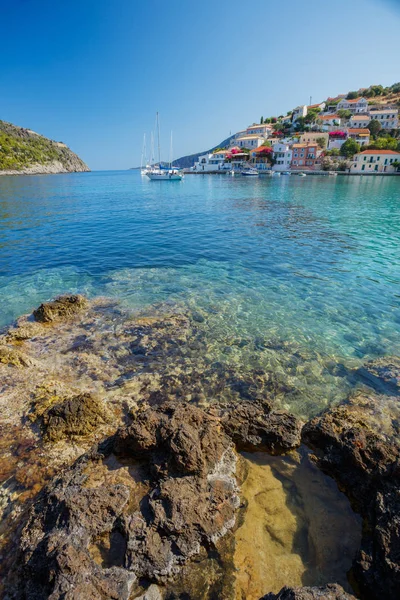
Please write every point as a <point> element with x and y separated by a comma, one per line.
<point>170,153</point>
<point>158,134</point>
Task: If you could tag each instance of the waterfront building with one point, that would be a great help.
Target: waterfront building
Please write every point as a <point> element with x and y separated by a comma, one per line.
<point>361,136</point>
<point>283,156</point>
<point>358,105</point>
<point>211,162</point>
<point>305,157</point>
<point>260,158</point>
<point>387,117</point>
<point>359,121</point>
<point>375,161</point>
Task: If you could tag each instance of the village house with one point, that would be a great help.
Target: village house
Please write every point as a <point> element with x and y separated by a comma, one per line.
<point>311,137</point>
<point>360,121</point>
<point>249,141</point>
<point>305,156</point>
<point>283,156</point>
<point>321,106</point>
<point>361,136</point>
<point>329,122</point>
<point>264,130</point>
<point>337,139</point>
<point>260,158</point>
<point>375,161</point>
<point>387,117</point>
<point>211,162</point>
<point>358,105</point>
<point>299,111</point>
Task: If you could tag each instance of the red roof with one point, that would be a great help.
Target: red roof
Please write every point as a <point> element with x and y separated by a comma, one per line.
<point>380,152</point>
<point>262,149</point>
<point>329,117</point>
<point>359,130</point>
<point>355,100</point>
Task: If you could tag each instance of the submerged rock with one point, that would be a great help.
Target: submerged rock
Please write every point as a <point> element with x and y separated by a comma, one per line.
<point>383,371</point>
<point>331,591</point>
<point>190,502</point>
<point>367,468</point>
<point>60,308</point>
<point>253,426</point>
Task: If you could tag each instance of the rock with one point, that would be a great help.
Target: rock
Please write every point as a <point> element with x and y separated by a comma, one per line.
<point>73,417</point>
<point>24,331</point>
<point>367,468</point>
<point>92,537</point>
<point>383,371</point>
<point>331,591</point>
<point>11,356</point>
<point>60,308</point>
<point>254,426</point>
<point>152,593</point>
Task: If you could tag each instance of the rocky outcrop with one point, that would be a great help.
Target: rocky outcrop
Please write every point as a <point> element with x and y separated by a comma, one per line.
<point>189,502</point>
<point>383,371</point>
<point>327,592</point>
<point>60,308</point>
<point>254,426</point>
<point>367,468</point>
<point>14,357</point>
<point>25,152</point>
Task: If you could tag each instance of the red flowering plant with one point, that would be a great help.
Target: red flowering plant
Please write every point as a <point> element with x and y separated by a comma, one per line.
<point>339,135</point>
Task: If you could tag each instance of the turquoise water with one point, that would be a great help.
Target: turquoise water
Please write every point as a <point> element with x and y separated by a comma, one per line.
<point>300,276</point>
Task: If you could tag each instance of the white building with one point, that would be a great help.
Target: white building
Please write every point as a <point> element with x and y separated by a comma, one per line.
<point>211,163</point>
<point>283,156</point>
<point>264,130</point>
<point>388,118</point>
<point>329,122</point>
<point>299,111</point>
<point>375,161</point>
<point>249,141</point>
<point>360,121</point>
<point>358,105</point>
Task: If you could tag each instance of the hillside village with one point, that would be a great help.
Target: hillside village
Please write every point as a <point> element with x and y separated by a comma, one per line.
<point>355,133</point>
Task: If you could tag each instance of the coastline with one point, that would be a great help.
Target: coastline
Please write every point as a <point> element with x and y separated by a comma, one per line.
<point>80,426</point>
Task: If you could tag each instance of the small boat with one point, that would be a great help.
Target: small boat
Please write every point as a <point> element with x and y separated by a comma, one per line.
<point>332,173</point>
<point>302,175</point>
<point>285,173</point>
<point>250,173</point>
<point>276,173</point>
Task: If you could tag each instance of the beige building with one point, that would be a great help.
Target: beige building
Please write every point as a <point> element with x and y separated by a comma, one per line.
<point>310,137</point>
<point>375,161</point>
<point>359,121</point>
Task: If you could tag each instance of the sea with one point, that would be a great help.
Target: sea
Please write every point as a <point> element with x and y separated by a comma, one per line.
<point>298,276</point>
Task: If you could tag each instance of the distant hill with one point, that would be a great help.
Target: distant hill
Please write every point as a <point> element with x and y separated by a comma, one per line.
<point>23,151</point>
<point>185,162</point>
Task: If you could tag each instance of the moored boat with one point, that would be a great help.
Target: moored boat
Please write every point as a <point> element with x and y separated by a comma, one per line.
<point>159,173</point>
<point>250,172</point>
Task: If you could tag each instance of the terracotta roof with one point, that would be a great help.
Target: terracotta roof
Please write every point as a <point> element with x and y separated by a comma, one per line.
<point>360,131</point>
<point>261,148</point>
<point>329,117</point>
<point>360,117</point>
<point>315,105</point>
<point>355,100</point>
<point>380,152</point>
<point>309,145</point>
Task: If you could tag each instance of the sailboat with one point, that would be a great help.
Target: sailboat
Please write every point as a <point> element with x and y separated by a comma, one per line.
<point>162,173</point>
<point>144,167</point>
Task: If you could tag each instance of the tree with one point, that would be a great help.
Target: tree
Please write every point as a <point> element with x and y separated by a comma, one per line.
<point>321,141</point>
<point>374,126</point>
<point>349,148</point>
<point>312,115</point>
<point>261,120</point>
<point>352,95</point>
<point>396,165</point>
<point>344,114</point>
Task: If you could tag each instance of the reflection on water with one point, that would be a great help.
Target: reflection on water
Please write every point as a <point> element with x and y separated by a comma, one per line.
<point>298,528</point>
<point>296,277</point>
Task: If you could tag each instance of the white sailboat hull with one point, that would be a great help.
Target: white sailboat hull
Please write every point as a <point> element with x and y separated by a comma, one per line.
<point>164,176</point>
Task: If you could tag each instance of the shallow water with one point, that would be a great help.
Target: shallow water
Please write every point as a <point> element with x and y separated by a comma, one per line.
<point>298,528</point>
<point>299,277</point>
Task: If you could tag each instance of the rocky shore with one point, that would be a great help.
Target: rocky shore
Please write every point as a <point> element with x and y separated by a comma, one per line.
<point>126,467</point>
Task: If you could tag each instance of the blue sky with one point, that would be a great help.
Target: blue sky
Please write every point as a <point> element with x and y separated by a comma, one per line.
<point>92,73</point>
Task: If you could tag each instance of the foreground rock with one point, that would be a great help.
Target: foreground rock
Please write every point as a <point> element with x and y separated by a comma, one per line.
<point>99,527</point>
<point>60,308</point>
<point>366,467</point>
<point>327,592</point>
<point>253,427</point>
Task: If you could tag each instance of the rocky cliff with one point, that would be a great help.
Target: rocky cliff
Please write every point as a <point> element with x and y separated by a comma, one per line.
<point>23,151</point>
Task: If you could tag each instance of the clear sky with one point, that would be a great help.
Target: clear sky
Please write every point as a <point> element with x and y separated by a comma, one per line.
<point>92,73</point>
